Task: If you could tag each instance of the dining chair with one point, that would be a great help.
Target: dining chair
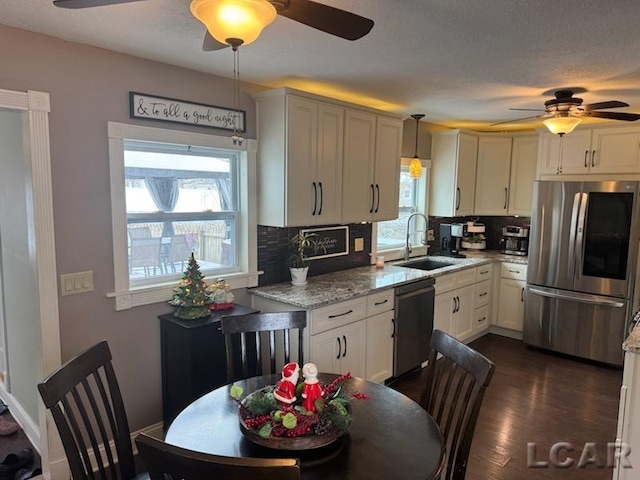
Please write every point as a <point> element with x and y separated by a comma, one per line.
<point>145,254</point>
<point>452,394</point>
<point>84,399</point>
<point>179,252</point>
<point>168,462</point>
<point>250,328</point>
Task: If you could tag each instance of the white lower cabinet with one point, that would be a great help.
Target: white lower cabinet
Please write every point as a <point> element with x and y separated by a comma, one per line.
<point>628,431</point>
<point>511,303</point>
<point>341,350</point>
<point>380,347</point>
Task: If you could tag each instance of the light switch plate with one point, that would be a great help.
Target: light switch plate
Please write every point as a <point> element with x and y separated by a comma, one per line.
<point>79,282</point>
<point>358,245</point>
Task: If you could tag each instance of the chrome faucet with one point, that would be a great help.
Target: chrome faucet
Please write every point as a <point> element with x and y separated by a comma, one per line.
<point>407,247</point>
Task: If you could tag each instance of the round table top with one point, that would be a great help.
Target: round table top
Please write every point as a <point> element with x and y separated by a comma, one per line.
<point>391,436</point>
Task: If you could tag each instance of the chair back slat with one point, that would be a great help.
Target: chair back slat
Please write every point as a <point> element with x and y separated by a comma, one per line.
<point>452,393</point>
<point>256,325</point>
<point>85,402</point>
<point>168,462</point>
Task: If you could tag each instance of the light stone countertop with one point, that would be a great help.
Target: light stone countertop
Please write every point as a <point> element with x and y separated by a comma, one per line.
<point>343,285</point>
<point>632,343</point>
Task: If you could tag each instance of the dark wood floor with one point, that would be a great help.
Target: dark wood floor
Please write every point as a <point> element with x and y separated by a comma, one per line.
<point>541,397</point>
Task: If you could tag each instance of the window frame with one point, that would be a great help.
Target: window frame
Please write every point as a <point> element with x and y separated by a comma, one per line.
<point>127,296</point>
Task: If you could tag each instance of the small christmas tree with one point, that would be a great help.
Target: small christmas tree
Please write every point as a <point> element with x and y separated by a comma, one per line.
<point>191,296</point>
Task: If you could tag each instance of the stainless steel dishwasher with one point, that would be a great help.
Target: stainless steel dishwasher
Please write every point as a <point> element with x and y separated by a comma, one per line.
<point>413,324</point>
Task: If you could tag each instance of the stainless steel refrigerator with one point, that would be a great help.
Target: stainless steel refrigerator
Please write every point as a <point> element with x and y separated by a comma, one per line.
<point>583,252</point>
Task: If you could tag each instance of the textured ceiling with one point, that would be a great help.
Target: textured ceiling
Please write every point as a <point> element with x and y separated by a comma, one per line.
<point>463,63</point>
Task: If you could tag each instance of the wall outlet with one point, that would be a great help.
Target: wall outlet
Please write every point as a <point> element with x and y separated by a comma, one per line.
<point>430,235</point>
<point>358,245</point>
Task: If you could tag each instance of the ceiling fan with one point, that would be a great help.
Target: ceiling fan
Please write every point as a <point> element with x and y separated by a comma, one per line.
<point>564,112</point>
<point>322,17</point>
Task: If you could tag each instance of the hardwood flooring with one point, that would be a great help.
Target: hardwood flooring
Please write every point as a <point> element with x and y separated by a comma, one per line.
<point>542,397</point>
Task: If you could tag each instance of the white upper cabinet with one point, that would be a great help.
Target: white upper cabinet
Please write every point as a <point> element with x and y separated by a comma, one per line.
<point>492,176</point>
<point>524,156</point>
<point>371,172</point>
<point>591,151</point>
<point>453,173</point>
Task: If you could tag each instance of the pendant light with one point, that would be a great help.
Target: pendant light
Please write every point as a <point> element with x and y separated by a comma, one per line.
<point>561,123</point>
<point>415,167</point>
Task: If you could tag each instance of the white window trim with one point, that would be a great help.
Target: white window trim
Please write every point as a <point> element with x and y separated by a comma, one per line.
<point>417,250</point>
<point>126,296</point>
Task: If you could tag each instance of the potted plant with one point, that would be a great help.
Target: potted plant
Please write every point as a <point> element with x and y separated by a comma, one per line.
<point>301,243</point>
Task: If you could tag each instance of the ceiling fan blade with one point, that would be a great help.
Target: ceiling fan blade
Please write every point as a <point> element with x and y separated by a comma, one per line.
<point>517,120</point>
<point>89,3</point>
<point>629,117</point>
<point>328,19</point>
<point>210,44</point>
<point>601,105</point>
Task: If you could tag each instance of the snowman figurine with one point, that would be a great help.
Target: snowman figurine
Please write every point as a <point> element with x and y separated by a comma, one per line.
<point>312,389</point>
<point>285,390</point>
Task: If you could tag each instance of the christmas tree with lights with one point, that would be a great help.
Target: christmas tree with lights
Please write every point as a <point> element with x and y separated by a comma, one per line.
<point>191,297</point>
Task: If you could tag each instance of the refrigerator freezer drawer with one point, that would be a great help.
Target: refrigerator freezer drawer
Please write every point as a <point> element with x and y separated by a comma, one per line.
<point>583,325</point>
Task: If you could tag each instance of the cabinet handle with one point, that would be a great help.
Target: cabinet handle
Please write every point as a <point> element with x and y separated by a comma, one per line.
<point>344,354</point>
<point>315,198</point>
<point>483,294</point>
<point>593,158</point>
<point>514,271</point>
<point>522,295</point>
<point>454,304</point>
<point>341,314</point>
<point>480,320</point>
<point>321,199</point>
<point>484,272</point>
<point>586,162</point>
<point>393,332</point>
<point>506,196</point>
<point>381,303</point>
<point>458,309</point>
<point>339,348</point>
<point>373,199</point>
<point>457,198</point>
<point>378,201</point>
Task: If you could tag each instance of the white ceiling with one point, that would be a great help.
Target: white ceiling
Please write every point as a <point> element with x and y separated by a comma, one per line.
<point>463,63</point>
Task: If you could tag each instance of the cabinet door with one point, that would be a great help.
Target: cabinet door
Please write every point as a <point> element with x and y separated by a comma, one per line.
<point>380,347</point>
<point>354,348</point>
<point>523,172</point>
<point>358,189</point>
<point>463,317</point>
<point>466,174</point>
<point>444,306</point>
<point>511,306</point>
<point>481,319</point>
<point>302,131</point>
<point>328,176</point>
<point>548,154</point>
<point>387,168</point>
<point>325,350</point>
<point>492,176</point>
<point>575,148</point>
<point>615,150</point>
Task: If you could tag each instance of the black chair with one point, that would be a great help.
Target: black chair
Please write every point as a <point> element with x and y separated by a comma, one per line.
<point>452,395</point>
<point>250,328</point>
<point>84,399</point>
<point>168,462</point>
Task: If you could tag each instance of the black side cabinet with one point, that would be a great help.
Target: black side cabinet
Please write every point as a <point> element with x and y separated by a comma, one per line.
<point>193,359</point>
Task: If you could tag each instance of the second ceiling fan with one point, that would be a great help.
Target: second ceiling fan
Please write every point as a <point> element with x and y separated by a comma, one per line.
<point>322,17</point>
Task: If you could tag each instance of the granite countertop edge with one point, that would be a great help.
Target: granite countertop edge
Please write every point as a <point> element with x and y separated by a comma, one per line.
<point>632,343</point>
<point>326,289</point>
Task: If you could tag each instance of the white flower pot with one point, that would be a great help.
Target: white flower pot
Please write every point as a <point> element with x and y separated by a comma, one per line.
<point>299,276</point>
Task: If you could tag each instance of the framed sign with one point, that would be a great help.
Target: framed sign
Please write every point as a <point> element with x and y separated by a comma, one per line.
<point>189,113</point>
<point>332,242</point>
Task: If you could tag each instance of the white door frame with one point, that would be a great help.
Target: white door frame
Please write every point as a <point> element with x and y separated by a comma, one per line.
<point>41,232</point>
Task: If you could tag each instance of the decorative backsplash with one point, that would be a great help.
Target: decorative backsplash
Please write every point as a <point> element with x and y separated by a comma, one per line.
<point>493,228</point>
<point>274,251</point>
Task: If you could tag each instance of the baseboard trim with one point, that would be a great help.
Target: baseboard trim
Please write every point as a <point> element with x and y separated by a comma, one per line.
<point>31,429</point>
<point>505,332</point>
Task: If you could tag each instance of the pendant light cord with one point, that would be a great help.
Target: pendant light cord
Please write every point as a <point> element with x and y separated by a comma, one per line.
<point>237,132</point>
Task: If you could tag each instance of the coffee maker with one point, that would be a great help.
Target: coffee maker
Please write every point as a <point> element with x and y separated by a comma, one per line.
<point>515,240</point>
<point>450,239</point>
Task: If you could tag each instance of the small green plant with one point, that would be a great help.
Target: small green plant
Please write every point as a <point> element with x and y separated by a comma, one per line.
<point>301,243</point>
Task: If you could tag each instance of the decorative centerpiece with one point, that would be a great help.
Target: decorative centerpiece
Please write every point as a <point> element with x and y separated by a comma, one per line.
<point>294,414</point>
<point>221,295</point>
<point>191,297</point>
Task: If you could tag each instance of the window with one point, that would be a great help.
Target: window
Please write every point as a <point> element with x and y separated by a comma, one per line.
<point>175,194</point>
<point>392,235</point>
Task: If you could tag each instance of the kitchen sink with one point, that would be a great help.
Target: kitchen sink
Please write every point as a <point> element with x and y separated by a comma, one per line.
<point>425,264</point>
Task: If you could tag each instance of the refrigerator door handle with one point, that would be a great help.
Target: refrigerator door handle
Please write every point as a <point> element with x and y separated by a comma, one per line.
<point>578,297</point>
<point>571,260</point>
<point>580,232</point>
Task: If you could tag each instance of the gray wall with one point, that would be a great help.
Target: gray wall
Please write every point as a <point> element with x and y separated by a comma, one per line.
<point>18,282</point>
<point>88,88</point>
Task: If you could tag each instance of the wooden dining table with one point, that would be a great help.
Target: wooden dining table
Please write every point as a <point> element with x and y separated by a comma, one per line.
<point>390,436</point>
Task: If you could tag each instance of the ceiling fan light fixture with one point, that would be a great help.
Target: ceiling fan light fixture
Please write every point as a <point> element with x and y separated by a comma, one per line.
<point>561,124</point>
<point>415,166</point>
<point>235,22</point>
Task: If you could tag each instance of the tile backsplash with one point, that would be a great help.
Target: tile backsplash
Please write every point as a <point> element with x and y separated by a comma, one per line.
<point>274,251</point>
<point>493,228</point>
